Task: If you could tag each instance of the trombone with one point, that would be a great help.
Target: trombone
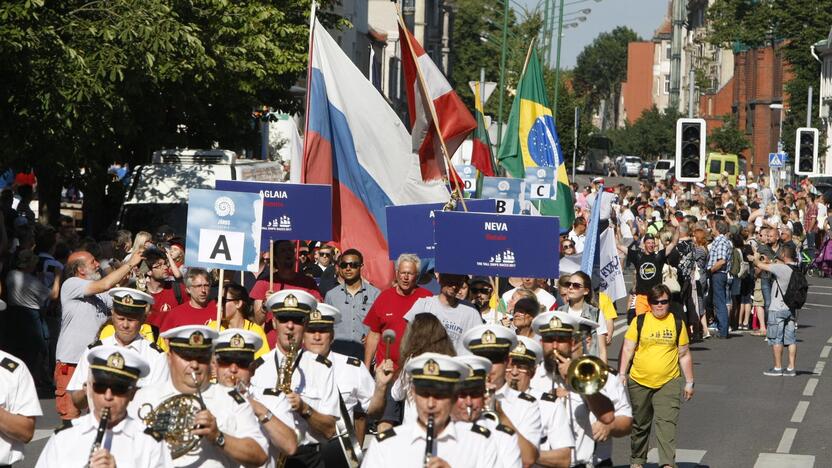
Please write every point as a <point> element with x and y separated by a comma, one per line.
<point>587,374</point>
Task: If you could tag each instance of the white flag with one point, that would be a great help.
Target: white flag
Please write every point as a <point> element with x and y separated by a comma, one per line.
<point>612,277</point>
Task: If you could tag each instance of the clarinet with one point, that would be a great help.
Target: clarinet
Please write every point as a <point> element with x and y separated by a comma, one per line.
<point>429,440</point>
<point>102,429</point>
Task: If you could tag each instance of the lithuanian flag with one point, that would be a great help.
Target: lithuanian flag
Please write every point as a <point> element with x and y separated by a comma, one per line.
<point>481,156</point>
<point>531,141</point>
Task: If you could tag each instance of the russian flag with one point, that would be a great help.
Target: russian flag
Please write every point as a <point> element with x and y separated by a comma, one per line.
<point>356,142</point>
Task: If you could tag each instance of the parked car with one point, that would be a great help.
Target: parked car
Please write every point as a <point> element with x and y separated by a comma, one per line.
<point>645,171</point>
<point>630,166</point>
<point>662,168</point>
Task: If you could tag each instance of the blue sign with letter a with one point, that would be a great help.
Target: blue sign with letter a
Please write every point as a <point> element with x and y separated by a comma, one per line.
<point>497,245</point>
<point>410,227</point>
<point>223,230</point>
<point>290,211</point>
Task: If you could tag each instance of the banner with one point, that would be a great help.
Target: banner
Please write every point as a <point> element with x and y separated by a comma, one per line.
<point>224,230</point>
<point>468,174</point>
<point>610,273</point>
<point>497,245</point>
<point>410,228</point>
<point>290,211</point>
<point>508,191</point>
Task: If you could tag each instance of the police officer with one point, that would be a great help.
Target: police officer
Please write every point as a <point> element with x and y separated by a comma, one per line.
<point>517,410</point>
<point>360,394</point>
<point>128,314</point>
<point>470,406</point>
<point>118,440</point>
<point>592,418</point>
<point>434,378</point>
<point>228,430</point>
<point>312,394</point>
<point>234,353</point>
<point>19,406</point>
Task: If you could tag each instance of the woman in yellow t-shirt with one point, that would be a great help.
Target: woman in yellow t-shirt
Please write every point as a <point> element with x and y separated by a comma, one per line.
<point>237,313</point>
<point>658,345</point>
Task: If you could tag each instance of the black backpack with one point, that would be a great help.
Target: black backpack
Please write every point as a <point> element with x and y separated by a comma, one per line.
<point>796,291</point>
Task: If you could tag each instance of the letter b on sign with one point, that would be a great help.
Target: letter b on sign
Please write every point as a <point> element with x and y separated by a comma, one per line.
<point>224,247</point>
<point>505,205</point>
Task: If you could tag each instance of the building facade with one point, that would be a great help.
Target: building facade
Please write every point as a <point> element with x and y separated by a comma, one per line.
<point>822,51</point>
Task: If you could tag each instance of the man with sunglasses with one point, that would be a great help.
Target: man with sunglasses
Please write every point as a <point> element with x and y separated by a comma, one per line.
<point>517,410</point>
<point>128,314</point>
<point>353,298</point>
<point>233,358</point>
<point>470,405</point>
<point>228,430</point>
<point>166,293</point>
<point>434,379</point>
<point>479,294</point>
<point>591,419</point>
<point>112,376</point>
<point>313,397</point>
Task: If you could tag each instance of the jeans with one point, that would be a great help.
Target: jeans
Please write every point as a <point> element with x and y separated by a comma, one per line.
<point>811,242</point>
<point>765,287</point>
<point>719,282</point>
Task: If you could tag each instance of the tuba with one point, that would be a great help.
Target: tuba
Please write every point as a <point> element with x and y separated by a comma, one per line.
<point>173,421</point>
<point>587,375</point>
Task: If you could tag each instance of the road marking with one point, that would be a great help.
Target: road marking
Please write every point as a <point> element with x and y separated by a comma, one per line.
<point>779,460</point>
<point>800,412</point>
<point>820,293</point>
<point>810,387</point>
<point>619,331</point>
<point>824,306</point>
<point>42,434</point>
<point>683,456</point>
<point>829,340</point>
<point>819,367</point>
<point>824,353</point>
<point>786,441</point>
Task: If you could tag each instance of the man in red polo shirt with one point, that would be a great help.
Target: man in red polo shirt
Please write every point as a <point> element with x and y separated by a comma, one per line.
<point>199,309</point>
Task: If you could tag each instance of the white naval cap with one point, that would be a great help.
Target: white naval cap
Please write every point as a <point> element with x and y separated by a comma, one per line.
<point>116,363</point>
<point>489,340</point>
<point>436,371</point>
<point>560,323</point>
<point>237,341</point>
<point>129,300</point>
<point>291,302</point>
<point>480,367</point>
<point>527,349</point>
<point>191,337</point>
<point>324,315</point>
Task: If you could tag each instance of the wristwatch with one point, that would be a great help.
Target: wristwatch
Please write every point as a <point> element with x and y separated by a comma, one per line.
<point>267,416</point>
<point>689,384</point>
<point>307,411</point>
<point>220,441</point>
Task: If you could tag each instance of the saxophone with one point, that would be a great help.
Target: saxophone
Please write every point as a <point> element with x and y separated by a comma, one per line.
<point>284,383</point>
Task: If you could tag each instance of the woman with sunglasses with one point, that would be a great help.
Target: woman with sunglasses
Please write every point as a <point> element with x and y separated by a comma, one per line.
<point>657,343</point>
<point>580,302</point>
<point>237,313</point>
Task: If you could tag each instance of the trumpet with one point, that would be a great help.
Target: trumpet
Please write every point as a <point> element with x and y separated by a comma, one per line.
<point>102,429</point>
<point>429,439</point>
<point>587,375</point>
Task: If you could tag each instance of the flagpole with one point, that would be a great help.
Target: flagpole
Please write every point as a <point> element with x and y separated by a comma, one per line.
<point>449,167</point>
<point>313,9</point>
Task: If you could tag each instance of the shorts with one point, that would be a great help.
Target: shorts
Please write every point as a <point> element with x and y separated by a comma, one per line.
<point>780,328</point>
<point>642,304</point>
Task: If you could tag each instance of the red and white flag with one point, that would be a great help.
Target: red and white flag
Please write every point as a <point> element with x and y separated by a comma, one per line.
<point>429,96</point>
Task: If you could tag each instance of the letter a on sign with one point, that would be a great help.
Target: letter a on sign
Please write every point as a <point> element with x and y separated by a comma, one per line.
<point>221,248</point>
<point>224,247</point>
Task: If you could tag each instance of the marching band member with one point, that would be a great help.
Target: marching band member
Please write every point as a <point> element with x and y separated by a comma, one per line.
<point>433,440</point>
<point>592,418</point>
<point>517,410</point>
<point>360,394</point>
<point>227,426</point>
<point>306,379</point>
<point>234,354</point>
<point>470,407</point>
<point>114,438</point>
<point>128,314</point>
<point>522,363</point>
<point>19,406</point>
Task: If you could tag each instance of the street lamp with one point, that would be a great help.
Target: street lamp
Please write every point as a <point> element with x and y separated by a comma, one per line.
<point>557,59</point>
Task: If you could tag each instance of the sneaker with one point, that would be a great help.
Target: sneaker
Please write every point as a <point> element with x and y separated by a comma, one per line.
<point>774,372</point>
<point>789,373</point>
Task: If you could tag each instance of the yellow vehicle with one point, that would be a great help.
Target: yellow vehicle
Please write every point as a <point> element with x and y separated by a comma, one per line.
<point>718,163</point>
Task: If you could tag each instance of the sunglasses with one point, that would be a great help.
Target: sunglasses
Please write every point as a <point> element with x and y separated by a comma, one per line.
<point>116,389</point>
<point>242,363</point>
<point>575,285</point>
<point>354,265</point>
<point>660,302</point>
<point>482,290</point>
<point>324,254</point>
<point>568,246</point>
<point>287,319</point>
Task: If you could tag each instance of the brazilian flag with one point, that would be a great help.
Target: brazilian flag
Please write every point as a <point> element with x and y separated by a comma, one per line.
<point>531,140</point>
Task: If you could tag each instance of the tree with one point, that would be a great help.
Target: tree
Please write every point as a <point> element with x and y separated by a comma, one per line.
<point>600,69</point>
<point>652,136</point>
<point>789,26</point>
<point>728,138</point>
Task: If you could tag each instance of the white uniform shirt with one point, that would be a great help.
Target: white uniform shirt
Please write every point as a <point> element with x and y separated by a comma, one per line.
<point>354,382</point>
<point>233,414</point>
<point>126,442</point>
<point>313,380</point>
<point>280,408</point>
<point>505,441</point>
<point>17,396</point>
<point>404,447</point>
<point>556,431</point>
<point>154,355</point>
<point>521,408</point>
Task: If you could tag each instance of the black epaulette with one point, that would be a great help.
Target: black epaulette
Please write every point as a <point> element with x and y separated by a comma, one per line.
<point>9,364</point>
<point>156,348</point>
<point>258,362</point>
<point>65,425</point>
<point>549,397</point>
<point>323,361</point>
<point>93,345</point>
<point>155,434</point>
<point>480,430</point>
<point>612,371</point>
<point>505,429</point>
<point>527,397</point>
<point>354,362</point>
<point>272,392</point>
<point>237,397</point>
<point>382,436</point>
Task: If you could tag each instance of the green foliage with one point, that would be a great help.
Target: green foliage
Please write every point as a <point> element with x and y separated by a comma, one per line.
<point>652,136</point>
<point>565,118</point>
<point>602,66</point>
<point>728,138</point>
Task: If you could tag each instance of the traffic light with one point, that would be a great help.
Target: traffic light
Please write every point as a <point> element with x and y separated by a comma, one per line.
<point>806,151</point>
<point>690,150</point>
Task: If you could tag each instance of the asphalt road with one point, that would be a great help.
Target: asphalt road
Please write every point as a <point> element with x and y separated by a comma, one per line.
<point>738,417</point>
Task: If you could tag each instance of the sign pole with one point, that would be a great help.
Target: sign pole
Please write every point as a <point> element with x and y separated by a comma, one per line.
<point>219,298</point>
<point>271,266</point>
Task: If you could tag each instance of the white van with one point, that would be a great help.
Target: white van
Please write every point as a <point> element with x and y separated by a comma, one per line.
<point>662,167</point>
<point>158,192</point>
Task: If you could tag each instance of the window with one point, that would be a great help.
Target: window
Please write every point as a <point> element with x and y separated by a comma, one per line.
<point>715,165</point>
<point>668,51</point>
<point>749,119</point>
<point>729,167</point>
<point>667,84</point>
